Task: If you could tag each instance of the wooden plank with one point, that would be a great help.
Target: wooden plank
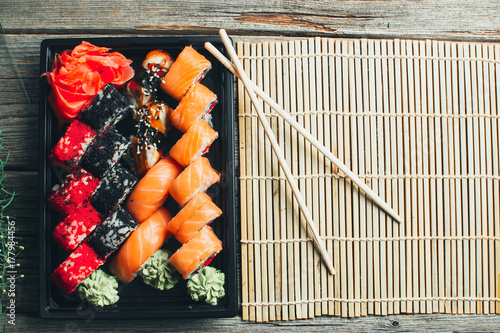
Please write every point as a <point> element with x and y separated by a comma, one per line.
<point>26,322</point>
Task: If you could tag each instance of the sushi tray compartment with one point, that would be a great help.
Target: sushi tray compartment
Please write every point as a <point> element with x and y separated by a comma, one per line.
<point>138,300</point>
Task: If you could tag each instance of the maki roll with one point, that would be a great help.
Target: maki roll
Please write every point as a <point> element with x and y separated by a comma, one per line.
<point>113,189</point>
<point>189,67</point>
<point>70,148</point>
<point>104,152</point>
<point>76,188</point>
<point>141,244</point>
<point>194,143</point>
<point>193,254</point>
<point>197,103</point>
<point>111,233</point>
<point>198,212</point>
<point>76,268</point>
<point>105,110</point>
<point>71,231</point>
<point>152,190</point>
<point>196,178</point>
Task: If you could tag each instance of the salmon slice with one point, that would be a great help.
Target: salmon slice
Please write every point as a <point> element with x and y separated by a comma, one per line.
<point>196,178</point>
<point>193,143</point>
<point>194,253</point>
<point>188,68</point>
<point>152,190</point>
<point>198,212</point>
<point>141,244</point>
<point>198,102</point>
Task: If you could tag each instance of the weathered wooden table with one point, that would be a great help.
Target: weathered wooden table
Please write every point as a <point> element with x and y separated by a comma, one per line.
<point>26,23</point>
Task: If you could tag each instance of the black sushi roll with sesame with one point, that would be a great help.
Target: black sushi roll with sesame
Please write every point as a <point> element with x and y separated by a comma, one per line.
<point>113,189</point>
<point>104,152</point>
<point>106,109</point>
<point>112,232</point>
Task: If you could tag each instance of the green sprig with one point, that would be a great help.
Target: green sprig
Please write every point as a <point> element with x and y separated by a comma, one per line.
<point>6,198</point>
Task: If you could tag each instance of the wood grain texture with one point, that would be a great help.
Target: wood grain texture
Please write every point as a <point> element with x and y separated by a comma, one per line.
<point>456,19</point>
<point>28,22</point>
<point>416,323</point>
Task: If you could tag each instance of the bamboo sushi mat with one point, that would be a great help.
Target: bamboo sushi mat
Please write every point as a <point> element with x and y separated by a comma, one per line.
<point>419,122</point>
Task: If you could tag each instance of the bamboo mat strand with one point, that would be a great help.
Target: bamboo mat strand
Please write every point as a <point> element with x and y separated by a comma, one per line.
<point>419,122</point>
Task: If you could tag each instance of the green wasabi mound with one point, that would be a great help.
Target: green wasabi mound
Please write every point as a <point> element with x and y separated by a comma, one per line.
<point>158,272</point>
<point>207,284</point>
<point>99,289</point>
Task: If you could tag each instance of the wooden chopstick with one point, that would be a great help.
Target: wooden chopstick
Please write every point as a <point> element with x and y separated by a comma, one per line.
<point>368,191</point>
<point>277,150</point>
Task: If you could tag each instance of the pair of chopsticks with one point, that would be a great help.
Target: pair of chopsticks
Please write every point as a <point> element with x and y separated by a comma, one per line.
<point>252,89</point>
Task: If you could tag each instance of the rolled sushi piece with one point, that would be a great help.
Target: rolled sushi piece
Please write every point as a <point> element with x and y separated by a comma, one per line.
<point>76,188</point>
<point>111,233</point>
<point>194,143</point>
<point>113,189</point>
<point>197,103</point>
<point>196,178</point>
<point>189,67</point>
<point>193,254</point>
<point>71,231</point>
<point>198,212</point>
<point>104,152</point>
<point>77,267</point>
<point>70,148</point>
<point>152,190</point>
<point>105,110</point>
<point>155,114</point>
<point>141,244</point>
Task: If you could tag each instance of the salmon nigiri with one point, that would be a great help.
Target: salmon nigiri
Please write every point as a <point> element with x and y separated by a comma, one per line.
<point>198,102</point>
<point>152,190</point>
<point>194,143</point>
<point>194,253</point>
<point>141,244</point>
<point>188,68</point>
<point>196,178</point>
<point>198,212</point>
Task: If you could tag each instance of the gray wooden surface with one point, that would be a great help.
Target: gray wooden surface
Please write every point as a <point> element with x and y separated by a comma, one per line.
<point>27,22</point>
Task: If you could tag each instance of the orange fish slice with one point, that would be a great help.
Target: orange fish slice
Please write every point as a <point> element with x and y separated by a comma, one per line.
<point>196,178</point>
<point>193,143</point>
<point>199,101</point>
<point>198,212</point>
<point>141,244</point>
<point>152,190</point>
<point>188,68</point>
<point>194,253</point>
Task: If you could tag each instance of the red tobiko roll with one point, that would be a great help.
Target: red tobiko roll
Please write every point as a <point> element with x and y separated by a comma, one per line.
<point>78,75</point>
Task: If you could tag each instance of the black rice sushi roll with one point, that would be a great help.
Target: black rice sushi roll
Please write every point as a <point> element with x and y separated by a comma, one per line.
<point>105,110</point>
<point>104,152</point>
<point>112,232</point>
<point>113,189</point>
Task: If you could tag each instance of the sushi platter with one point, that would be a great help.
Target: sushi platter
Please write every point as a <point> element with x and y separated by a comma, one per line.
<point>105,181</point>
